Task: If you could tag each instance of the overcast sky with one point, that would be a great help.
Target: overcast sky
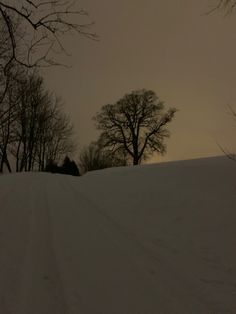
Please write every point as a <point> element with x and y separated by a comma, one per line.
<point>170,46</point>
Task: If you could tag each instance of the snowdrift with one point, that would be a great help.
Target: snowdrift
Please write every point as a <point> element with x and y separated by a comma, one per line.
<point>141,240</point>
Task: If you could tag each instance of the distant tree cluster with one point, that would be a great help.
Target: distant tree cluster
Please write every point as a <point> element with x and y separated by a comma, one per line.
<point>68,167</point>
<point>95,157</point>
<point>33,127</point>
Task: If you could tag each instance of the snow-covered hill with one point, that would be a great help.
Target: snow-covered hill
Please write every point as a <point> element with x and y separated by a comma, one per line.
<point>152,239</point>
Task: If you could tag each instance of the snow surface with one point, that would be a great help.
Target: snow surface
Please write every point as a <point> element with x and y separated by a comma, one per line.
<point>152,239</point>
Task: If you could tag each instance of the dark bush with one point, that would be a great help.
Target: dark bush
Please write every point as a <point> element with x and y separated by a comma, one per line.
<point>68,167</point>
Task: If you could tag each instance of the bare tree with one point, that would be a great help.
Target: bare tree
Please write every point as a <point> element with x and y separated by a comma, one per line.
<point>135,124</point>
<point>5,133</point>
<point>32,32</point>
<point>35,28</point>
<point>60,141</point>
<point>31,35</point>
<point>8,114</point>
<point>41,131</point>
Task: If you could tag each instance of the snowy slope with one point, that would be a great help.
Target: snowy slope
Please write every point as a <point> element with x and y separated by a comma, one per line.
<point>139,240</point>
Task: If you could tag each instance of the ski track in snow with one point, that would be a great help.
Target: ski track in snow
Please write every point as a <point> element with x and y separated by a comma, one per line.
<point>64,251</point>
<point>30,282</point>
<point>146,261</point>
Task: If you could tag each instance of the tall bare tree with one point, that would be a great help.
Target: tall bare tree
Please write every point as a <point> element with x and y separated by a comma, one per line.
<point>31,35</point>
<point>40,130</point>
<point>135,124</point>
<point>8,114</point>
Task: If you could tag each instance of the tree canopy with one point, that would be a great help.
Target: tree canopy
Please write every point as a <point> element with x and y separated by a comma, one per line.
<point>136,125</point>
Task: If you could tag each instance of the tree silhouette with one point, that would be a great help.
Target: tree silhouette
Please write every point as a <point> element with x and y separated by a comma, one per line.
<point>135,124</point>
<point>35,28</point>
<point>33,127</point>
<point>32,32</point>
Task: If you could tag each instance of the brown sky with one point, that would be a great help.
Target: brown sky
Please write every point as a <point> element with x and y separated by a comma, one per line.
<point>170,46</point>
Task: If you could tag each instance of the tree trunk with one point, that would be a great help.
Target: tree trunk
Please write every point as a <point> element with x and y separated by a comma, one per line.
<point>7,163</point>
<point>136,154</point>
<point>135,160</point>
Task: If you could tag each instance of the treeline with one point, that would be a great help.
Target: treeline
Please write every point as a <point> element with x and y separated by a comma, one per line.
<point>37,135</point>
<point>34,130</point>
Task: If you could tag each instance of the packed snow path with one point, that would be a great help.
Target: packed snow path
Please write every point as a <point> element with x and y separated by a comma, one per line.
<point>142,240</point>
